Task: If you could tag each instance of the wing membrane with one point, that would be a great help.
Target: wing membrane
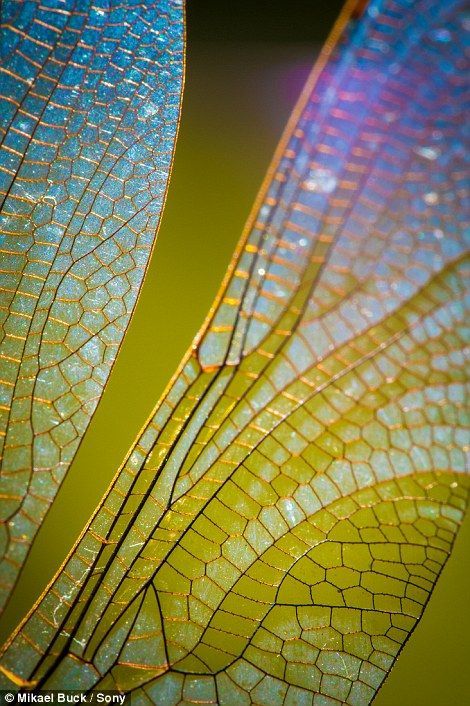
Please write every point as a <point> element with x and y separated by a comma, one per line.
<point>277,529</point>
<point>90,101</point>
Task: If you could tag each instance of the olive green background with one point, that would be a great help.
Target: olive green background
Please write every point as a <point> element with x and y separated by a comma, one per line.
<point>244,73</point>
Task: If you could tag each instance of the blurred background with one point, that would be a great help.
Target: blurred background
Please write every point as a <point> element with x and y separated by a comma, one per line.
<point>246,65</point>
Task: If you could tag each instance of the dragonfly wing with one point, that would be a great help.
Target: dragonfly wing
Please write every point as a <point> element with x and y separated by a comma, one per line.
<point>90,98</point>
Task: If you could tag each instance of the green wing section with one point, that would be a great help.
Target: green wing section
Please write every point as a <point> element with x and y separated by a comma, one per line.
<point>89,96</point>
<point>277,529</point>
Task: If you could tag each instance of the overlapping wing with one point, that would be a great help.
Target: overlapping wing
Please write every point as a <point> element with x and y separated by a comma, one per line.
<point>90,94</point>
<point>276,531</point>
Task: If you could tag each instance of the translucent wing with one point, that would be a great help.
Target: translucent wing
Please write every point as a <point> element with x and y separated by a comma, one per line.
<point>275,533</point>
<point>90,94</point>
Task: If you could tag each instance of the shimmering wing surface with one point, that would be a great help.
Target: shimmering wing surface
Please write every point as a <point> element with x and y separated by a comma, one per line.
<point>89,95</point>
<point>276,531</point>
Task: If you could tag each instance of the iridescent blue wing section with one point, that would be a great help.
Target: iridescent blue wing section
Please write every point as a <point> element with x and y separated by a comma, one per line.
<point>276,530</point>
<point>370,175</point>
<point>89,96</point>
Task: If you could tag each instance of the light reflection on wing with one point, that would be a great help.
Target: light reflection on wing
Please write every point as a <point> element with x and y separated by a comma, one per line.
<point>276,531</point>
<point>90,98</point>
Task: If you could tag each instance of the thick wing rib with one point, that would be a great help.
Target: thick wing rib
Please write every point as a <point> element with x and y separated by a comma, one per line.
<point>276,531</point>
<point>90,98</point>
